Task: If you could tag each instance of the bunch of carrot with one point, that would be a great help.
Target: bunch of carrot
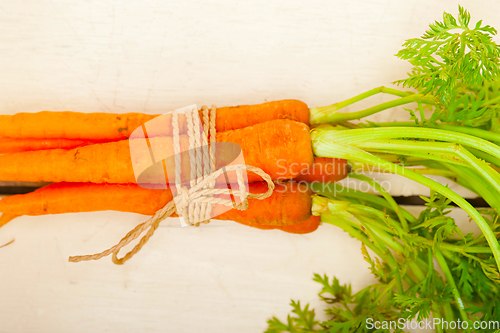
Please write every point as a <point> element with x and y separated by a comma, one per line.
<point>87,158</point>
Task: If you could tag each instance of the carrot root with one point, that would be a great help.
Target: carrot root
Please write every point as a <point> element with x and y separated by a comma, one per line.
<point>6,218</point>
<point>305,227</point>
<point>287,206</point>
<point>109,126</point>
<point>279,147</point>
<point>10,145</point>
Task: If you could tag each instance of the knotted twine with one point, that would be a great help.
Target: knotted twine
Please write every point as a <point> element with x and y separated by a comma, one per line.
<point>194,204</point>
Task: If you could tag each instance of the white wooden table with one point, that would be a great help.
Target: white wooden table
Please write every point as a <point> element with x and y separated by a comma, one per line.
<point>153,56</point>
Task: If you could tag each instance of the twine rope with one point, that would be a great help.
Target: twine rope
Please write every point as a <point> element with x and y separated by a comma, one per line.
<point>194,204</point>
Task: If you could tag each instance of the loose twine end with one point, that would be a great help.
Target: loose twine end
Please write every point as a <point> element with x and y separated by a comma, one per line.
<point>195,203</point>
<point>7,244</point>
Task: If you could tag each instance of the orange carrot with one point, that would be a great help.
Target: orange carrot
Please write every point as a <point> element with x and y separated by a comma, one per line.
<point>324,170</point>
<point>71,125</point>
<point>282,208</point>
<point>305,227</point>
<point>273,210</point>
<point>6,218</point>
<point>263,146</point>
<point>10,145</point>
<point>59,198</point>
<point>235,117</point>
<point>109,126</point>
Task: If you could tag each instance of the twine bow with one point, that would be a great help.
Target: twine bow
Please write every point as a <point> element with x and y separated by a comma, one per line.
<point>195,203</point>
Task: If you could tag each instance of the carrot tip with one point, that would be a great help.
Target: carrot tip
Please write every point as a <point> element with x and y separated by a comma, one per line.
<point>6,218</point>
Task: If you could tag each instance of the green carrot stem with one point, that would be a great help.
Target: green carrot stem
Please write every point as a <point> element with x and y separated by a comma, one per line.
<point>333,190</point>
<point>491,101</point>
<point>389,241</point>
<point>431,155</point>
<point>330,114</point>
<point>487,157</point>
<point>477,184</point>
<point>434,172</point>
<point>447,273</point>
<point>436,149</point>
<point>324,146</point>
<point>345,225</point>
<point>436,313</point>
<point>391,260</point>
<point>408,160</point>
<point>386,196</point>
<point>448,314</point>
<point>480,133</point>
<point>386,290</point>
<point>457,261</point>
<point>352,136</point>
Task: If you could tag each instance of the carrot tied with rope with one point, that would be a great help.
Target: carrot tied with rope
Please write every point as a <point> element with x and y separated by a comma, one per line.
<point>193,204</point>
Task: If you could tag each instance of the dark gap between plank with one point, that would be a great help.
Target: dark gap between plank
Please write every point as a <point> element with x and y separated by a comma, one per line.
<point>414,200</point>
